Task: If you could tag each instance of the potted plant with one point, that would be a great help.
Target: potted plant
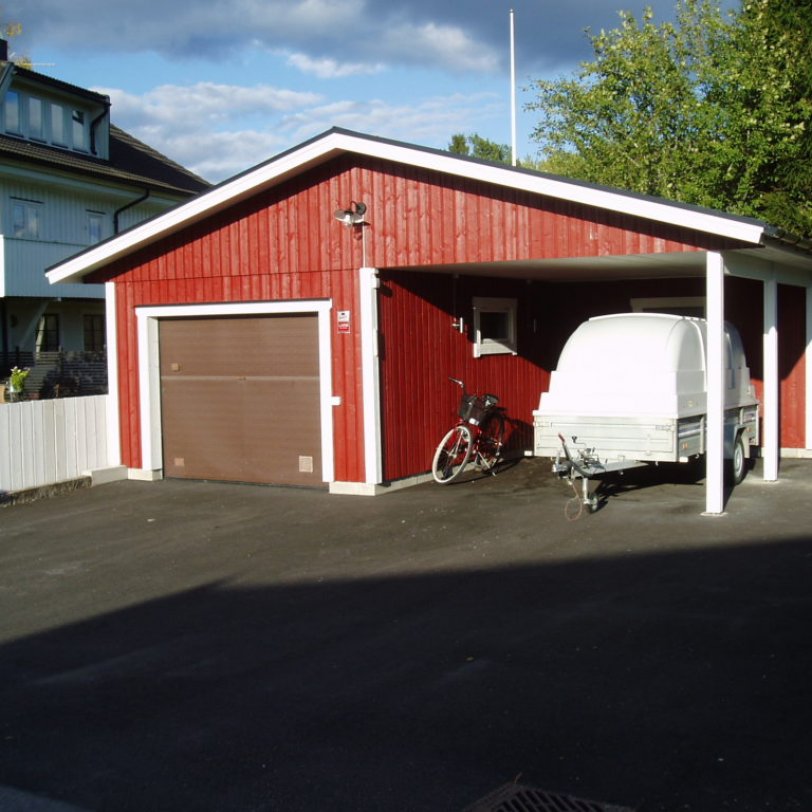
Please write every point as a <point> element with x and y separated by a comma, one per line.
<point>16,383</point>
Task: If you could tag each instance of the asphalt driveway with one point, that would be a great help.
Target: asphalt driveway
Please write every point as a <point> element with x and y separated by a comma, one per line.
<point>201,646</point>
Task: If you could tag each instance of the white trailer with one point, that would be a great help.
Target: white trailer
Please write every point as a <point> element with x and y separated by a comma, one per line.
<point>631,389</point>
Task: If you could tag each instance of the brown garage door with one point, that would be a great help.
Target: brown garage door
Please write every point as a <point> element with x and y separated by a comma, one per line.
<point>240,399</point>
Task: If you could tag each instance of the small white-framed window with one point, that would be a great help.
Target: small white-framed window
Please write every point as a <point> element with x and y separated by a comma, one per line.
<point>36,119</point>
<point>12,119</point>
<point>25,219</point>
<point>79,132</point>
<point>95,227</point>
<point>676,305</point>
<point>58,124</point>
<point>494,326</point>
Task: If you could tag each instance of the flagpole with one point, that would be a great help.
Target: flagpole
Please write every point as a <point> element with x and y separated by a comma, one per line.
<point>512,90</point>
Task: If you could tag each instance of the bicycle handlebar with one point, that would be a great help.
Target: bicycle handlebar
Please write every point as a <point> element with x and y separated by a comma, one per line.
<point>457,381</point>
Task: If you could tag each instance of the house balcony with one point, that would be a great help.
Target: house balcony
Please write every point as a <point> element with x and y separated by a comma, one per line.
<point>22,270</point>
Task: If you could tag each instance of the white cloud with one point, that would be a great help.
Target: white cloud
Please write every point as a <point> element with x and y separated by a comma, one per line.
<point>442,45</point>
<point>327,68</point>
<point>204,105</point>
<point>220,130</point>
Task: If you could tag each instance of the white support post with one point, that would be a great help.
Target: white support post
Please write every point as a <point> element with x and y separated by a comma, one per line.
<point>770,406</point>
<point>113,413</point>
<point>370,368</point>
<point>714,456</point>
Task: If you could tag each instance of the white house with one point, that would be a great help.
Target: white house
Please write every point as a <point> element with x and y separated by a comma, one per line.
<point>68,179</point>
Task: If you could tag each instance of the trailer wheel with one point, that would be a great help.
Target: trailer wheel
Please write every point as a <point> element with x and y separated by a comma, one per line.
<point>737,467</point>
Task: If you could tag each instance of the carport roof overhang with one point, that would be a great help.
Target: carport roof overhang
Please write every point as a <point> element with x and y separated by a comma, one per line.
<point>335,143</point>
<point>765,261</point>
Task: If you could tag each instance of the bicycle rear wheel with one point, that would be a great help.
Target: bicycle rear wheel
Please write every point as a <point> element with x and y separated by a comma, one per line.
<point>491,438</point>
<point>452,455</point>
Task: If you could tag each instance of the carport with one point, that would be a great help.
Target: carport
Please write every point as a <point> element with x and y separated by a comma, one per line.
<point>397,284</point>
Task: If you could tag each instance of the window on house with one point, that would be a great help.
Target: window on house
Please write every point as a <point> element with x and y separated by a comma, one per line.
<point>94,332</point>
<point>11,112</point>
<point>79,134</point>
<point>494,326</point>
<point>36,124</point>
<point>25,219</point>
<point>95,227</point>
<point>48,333</point>
<point>58,124</point>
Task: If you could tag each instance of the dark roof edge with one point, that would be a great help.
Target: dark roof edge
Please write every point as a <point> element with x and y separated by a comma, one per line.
<point>59,84</point>
<point>550,176</point>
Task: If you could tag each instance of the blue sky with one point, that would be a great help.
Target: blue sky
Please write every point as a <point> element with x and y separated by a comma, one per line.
<point>221,85</point>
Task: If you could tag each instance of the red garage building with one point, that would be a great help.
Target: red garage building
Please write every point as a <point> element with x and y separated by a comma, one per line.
<point>297,323</point>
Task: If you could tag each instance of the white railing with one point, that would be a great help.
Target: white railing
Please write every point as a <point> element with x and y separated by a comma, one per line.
<point>44,442</point>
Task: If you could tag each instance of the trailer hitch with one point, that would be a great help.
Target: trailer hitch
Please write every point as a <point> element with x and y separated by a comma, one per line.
<point>581,463</point>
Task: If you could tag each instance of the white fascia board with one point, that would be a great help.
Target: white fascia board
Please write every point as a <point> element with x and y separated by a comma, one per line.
<point>186,214</point>
<point>572,191</point>
<point>333,143</point>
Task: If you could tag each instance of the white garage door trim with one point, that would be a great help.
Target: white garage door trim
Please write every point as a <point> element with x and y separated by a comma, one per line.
<point>149,371</point>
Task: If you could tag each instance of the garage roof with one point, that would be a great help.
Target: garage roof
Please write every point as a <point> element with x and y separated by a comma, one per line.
<point>336,142</point>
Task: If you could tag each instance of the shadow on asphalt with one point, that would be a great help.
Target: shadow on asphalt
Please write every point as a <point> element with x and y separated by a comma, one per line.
<point>667,681</point>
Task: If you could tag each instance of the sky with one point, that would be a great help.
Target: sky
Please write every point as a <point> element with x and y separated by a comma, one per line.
<point>222,85</point>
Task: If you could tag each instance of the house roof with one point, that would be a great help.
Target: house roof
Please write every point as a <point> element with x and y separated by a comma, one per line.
<point>336,142</point>
<point>131,162</point>
<point>27,75</point>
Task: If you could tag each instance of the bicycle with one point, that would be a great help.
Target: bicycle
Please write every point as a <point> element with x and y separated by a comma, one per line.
<point>478,435</point>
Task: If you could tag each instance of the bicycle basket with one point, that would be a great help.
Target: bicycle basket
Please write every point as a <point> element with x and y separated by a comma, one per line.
<point>473,408</point>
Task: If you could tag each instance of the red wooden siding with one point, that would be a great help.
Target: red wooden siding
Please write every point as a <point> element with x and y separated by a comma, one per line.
<point>284,244</point>
<point>420,348</point>
<point>791,365</point>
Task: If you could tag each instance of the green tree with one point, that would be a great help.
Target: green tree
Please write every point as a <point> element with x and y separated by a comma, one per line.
<point>710,109</point>
<point>476,146</point>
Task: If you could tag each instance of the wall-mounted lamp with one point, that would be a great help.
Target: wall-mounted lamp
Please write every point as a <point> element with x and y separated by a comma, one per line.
<point>353,216</point>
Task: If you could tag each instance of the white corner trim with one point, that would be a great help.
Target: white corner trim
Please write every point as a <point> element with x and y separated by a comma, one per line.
<point>369,283</point>
<point>147,319</point>
<point>113,402</point>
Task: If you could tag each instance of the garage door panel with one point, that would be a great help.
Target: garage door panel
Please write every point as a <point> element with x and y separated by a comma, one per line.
<point>231,415</point>
<point>270,345</point>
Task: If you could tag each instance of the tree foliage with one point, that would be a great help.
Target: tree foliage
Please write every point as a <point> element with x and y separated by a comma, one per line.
<point>476,146</point>
<point>712,109</point>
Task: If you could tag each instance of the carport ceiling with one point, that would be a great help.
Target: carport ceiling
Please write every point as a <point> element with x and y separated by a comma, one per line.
<point>585,269</point>
<point>630,266</point>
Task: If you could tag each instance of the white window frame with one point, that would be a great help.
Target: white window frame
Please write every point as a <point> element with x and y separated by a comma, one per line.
<point>502,345</point>
<point>13,99</point>
<point>96,219</point>
<point>79,129</point>
<point>32,219</point>
<point>60,131</point>
<point>38,133</point>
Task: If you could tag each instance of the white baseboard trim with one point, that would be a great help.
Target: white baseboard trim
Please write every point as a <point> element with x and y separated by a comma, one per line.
<point>367,489</point>
<point>796,453</point>
<point>145,475</point>
<point>101,476</point>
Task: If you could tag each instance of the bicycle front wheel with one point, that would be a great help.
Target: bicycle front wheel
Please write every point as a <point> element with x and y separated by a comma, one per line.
<point>491,439</point>
<point>452,455</point>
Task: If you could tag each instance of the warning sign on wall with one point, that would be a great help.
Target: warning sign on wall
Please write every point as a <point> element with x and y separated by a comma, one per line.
<point>343,321</point>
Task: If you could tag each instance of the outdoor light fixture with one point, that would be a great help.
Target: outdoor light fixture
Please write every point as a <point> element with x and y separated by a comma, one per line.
<point>353,216</point>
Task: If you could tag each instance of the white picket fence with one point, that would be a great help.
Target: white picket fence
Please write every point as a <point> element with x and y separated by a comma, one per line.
<point>44,442</point>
